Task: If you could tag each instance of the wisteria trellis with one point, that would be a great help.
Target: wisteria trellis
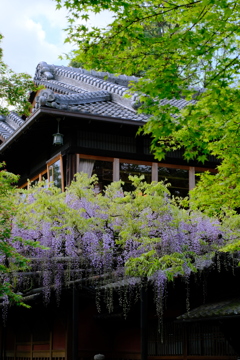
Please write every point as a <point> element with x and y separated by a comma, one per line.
<point>112,240</point>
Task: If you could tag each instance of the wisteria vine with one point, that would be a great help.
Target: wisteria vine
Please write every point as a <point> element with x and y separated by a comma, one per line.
<point>111,241</point>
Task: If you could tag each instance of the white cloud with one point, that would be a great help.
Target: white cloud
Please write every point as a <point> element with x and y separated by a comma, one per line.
<point>33,32</point>
<point>36,28</point>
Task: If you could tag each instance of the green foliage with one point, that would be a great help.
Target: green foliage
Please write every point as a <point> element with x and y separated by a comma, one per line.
<point>75,64</point>
<point>7,211</point>
<point>11,259</point>
<point>172,265</point>
<point>178,47</point>
<point>163,234</point>
<point>14,89</point>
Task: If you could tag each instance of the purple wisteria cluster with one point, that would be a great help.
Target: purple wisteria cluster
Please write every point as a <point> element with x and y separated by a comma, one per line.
<point>110,241</point>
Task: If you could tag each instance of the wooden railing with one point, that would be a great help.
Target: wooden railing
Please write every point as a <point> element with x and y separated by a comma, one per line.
<point>36,355</point>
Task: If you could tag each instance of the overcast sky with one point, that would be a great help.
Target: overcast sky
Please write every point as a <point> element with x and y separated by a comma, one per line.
<point>33,32</point>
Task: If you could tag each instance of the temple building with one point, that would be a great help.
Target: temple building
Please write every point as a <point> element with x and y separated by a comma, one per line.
<point>82,121</point>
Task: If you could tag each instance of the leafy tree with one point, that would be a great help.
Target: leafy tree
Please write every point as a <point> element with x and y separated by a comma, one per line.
<point>14,89</point>
<point>76,64</point>
<point>198,49</point>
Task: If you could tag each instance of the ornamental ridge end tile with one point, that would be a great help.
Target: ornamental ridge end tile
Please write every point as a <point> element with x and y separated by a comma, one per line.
<point>48,98</point>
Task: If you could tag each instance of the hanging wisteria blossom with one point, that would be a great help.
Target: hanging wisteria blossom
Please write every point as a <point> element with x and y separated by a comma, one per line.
<point>110,241</point>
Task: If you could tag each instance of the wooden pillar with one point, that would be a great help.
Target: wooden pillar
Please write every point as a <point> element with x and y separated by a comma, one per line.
<point>50,345</point>
<point>75,324</point>
<point>116,170</point>
<point>185,341</point>
<point>70,166</point>
<point>77,163</point>
<point>154,172</point>
<point>3,343</point>
<point>191,177</point>
<point>144,322</point>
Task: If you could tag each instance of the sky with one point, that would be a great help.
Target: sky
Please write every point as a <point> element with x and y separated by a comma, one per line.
<point>33,32</point>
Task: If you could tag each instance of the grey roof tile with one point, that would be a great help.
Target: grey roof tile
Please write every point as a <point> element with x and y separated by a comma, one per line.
<point>109,108</point>
<point>5,130</point>
<point>60,87</point>
<point>14,120</point>
<point>9,123</point>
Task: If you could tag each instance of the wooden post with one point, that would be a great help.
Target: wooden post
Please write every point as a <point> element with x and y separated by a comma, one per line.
<point>3,343</point>
<point>50,345</point>
<point>185,343</point>
<point>116,170</point>
<point>154,172</point>
<point>77,162</point>
<point>144,322</point>
<point>191,177</point>
<point>75,324</point>
<point>31,354</point>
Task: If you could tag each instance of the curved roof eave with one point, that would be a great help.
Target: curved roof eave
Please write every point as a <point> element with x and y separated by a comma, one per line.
<point>62,113</point>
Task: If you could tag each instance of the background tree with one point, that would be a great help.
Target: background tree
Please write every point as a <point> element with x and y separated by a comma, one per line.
<point>198,49</point>
<point>14,89</point>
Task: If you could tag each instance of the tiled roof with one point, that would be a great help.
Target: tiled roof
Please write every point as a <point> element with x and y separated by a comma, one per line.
<point>208,311</point>
<point>79,90</point>
<point>68,80</point>
<point>109,108</point>
<point>65,80</point>
<point>179,103</point>
<point>9,123</point>
<point>91,84</point>
<point>60,87</point>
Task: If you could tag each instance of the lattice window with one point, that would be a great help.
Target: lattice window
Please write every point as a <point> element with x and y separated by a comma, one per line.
<point>207,339</point>
<point>202,339</point>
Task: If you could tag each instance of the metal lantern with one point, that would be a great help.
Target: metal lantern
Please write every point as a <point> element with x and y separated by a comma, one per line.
<point>58,138</point>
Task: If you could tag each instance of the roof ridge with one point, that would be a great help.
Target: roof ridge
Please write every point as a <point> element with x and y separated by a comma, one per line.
<point>122,80</point>
<point>60,87</point>
<point>89,79</point>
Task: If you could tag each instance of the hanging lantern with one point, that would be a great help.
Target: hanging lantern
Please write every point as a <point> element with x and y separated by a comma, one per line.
<point>58,138</point>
